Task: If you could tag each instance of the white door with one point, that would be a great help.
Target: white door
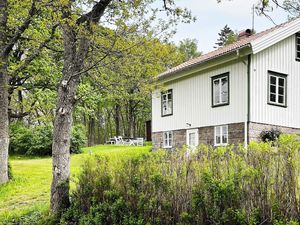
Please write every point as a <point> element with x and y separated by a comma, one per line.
<point>192,139</point>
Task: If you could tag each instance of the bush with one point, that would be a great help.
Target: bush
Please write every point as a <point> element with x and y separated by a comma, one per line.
<point>270,135</point>
<point>227,185</point>
<point>37,140</point>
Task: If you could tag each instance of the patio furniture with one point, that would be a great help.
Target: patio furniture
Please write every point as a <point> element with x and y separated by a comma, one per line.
<point>138,141</point>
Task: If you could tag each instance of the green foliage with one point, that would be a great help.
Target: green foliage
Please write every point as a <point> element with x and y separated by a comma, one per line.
<point>188,47</point>
<point>29,190</point>
<point>78,139</point>
<point>37,140</point>
<point>227,185</point>
<point>226,37</point>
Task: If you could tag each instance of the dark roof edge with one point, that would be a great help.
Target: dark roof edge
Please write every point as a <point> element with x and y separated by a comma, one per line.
<point>167,74</point>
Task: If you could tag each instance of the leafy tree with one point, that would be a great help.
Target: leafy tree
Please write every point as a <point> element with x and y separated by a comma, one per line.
<point>82,37</point>
<point>226,36</point>
<point>20,43</point>
<point>189,48</point>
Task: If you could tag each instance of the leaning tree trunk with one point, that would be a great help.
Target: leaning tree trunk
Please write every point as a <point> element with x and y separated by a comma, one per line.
<point>4,136</point>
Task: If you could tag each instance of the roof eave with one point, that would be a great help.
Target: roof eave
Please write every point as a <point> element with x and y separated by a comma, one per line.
<point>198,65</point>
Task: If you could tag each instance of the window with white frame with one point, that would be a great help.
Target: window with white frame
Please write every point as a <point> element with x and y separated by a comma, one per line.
<point>167,139</point>
<point>167,103</point>
<point>221,135</point>
<point>277,89</point>
<point>220,90</point>
<point>298,46</point>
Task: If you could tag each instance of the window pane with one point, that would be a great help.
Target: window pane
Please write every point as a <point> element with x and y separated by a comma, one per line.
<point>166,139</point>
<point>281,91</point>
<point>218,140</point>
<point>225,130</point>
<point>272,97</point>
<point>298,55</point>
<point>298,47</point>
<point>224,139</point>
<point>170,95</point>
<point>273,89</point>
<point>281,82</point>
<point>164,97</point>
<point>169,107</point>
<point>192,140</point>
<point>280,99</point>
<point>224,134</point>
<point>273,80</point>
<point>218,135</point>
<point>224,93</point>
<point>216,91</point>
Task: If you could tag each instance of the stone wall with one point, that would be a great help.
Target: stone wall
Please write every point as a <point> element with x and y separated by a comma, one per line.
<point>179,139</point>
<point>206,136</point>
<point>235,134</point>
<point>256,128</point>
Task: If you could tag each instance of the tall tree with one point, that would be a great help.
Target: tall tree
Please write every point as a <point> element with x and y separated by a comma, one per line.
<point>189,47</point>
<point>78,37</point>
<point>8,39</point>
<point>23,35</point>
<point>226,36</point>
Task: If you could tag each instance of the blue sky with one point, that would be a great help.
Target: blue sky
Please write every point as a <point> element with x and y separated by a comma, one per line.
<point>213,16</point>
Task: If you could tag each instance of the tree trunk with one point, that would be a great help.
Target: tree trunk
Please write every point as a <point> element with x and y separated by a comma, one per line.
<point>63,124</point>
<point>4,134</point>
<point>91,132</point>
<point>117,119</point>
<point>61,148</point>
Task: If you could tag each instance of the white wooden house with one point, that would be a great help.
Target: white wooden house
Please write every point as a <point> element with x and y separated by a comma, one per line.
<point>233,93</point>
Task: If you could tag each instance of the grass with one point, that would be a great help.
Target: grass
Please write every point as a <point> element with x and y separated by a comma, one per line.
<point>30,188</point>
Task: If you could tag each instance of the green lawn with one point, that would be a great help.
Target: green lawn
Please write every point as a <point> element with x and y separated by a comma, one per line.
<point>30,188</point>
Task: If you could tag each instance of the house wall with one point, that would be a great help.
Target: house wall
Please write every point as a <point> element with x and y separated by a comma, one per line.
<point>278,58</point>
<point>192,101</point>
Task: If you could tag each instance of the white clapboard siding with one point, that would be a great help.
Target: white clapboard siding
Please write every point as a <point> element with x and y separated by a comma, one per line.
<point>279,58</point>
<point>192,101</point>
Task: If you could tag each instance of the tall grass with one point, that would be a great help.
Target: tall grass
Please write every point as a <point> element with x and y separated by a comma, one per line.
<point>227,185</point>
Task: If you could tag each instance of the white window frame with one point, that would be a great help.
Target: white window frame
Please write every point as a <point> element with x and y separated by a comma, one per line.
<point>219,78</point>
<point>191,131</point>
<point>169,139</point>
<point>277,76</point>
<point>168,102</point>
<point>221,135</point>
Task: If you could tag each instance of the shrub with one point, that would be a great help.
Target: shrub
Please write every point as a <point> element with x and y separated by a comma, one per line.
<point>227,185</point>
<point>270,135</point>
<point>37,140</point>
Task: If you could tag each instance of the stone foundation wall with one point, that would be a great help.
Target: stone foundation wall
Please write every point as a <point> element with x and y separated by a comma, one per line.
<point>206,136</point>
<point>256,128</point>
<point>235,134</point>
<point>179,139</point>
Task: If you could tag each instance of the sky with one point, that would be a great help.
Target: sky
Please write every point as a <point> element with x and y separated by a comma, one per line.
<point>212,17</point>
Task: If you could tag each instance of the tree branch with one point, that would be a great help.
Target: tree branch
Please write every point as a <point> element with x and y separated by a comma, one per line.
<point>36,52</point>
<point>21,29</point>
<point>95,14</point>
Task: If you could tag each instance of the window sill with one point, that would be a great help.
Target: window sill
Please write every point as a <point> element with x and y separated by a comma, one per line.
<point>275,104</point>
<point>221,145</point>
<point>219,105</point>
<point>171,114</point>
